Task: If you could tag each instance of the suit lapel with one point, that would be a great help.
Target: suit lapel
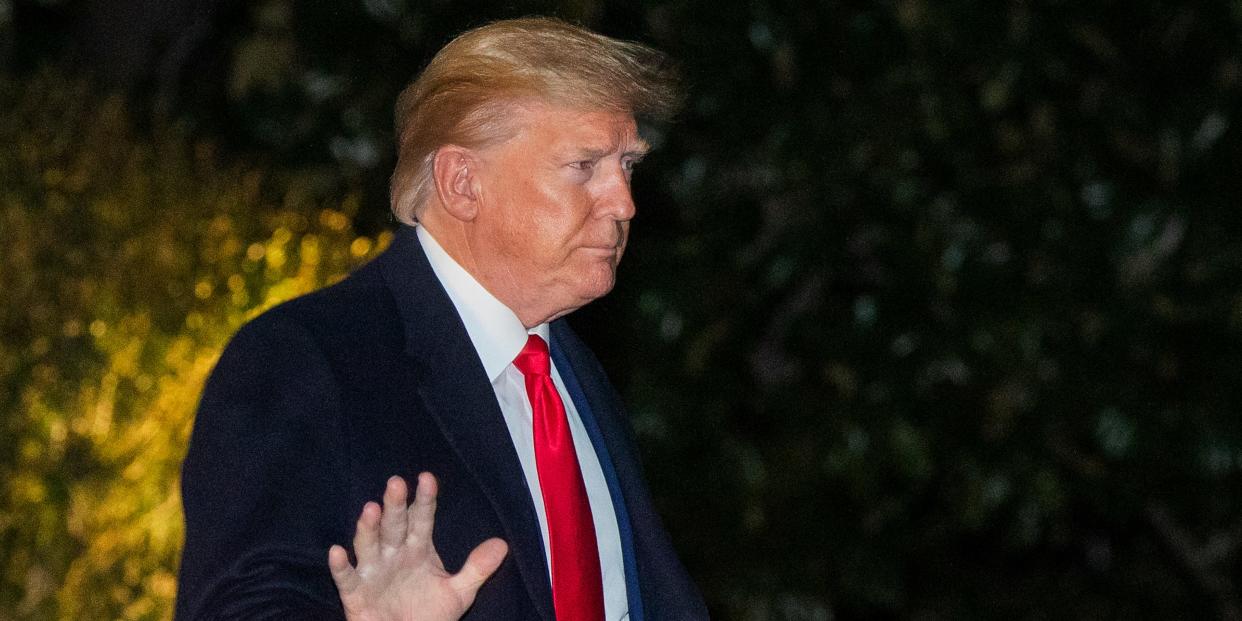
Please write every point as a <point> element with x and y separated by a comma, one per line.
<point>571,367</point>
<point>665,588</point>
<point>455,391</point>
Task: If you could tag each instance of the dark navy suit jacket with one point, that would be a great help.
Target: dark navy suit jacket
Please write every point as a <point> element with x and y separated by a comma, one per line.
<point>315,403</point>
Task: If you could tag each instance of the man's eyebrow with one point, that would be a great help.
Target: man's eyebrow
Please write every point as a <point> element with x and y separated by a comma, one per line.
<point>640,149</point>
<point>637,149</point>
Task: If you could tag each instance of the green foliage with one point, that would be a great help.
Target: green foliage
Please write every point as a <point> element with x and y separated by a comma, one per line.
<point>945,322</point>
<point>126,263</point>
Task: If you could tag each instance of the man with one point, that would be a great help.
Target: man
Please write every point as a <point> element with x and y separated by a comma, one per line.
<point>444,361</point>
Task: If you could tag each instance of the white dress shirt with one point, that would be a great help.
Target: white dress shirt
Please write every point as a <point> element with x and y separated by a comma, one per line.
<point>498,336</point>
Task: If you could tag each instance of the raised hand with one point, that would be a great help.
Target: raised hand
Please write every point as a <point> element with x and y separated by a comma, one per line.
<point>399,576</point>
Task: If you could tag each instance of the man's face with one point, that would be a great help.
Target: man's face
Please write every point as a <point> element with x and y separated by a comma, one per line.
<point>555,204</point>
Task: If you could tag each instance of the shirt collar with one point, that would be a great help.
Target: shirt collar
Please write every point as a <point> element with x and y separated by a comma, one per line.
<point>495,330</point>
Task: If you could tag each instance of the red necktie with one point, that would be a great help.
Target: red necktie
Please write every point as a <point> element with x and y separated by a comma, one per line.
<point>577,589</point>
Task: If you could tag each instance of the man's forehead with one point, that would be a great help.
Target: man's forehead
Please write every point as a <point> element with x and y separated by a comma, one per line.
<point>574,128</point>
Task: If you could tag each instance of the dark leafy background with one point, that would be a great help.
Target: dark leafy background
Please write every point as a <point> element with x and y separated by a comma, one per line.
<point>932,309</point>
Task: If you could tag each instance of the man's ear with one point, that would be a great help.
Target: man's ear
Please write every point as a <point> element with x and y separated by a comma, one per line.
<point>454,171</point>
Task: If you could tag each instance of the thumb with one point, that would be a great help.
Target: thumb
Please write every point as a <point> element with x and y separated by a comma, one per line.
<point>480,565</point>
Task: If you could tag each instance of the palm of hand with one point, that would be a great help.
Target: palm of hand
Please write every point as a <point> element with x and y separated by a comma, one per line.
<point>399,575</point>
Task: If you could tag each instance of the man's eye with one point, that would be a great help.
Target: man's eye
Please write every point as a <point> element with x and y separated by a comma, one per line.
<point>584,165</point>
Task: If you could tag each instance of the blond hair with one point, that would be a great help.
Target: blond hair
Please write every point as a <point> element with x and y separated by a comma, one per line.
<point>463,94</point>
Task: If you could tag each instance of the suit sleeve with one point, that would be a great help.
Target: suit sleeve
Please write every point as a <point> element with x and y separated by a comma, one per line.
<point>264,484</point>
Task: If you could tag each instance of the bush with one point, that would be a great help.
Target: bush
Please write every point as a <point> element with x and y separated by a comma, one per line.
<point>128,260</point>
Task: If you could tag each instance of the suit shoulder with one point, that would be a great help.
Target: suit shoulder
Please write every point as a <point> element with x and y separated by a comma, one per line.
<point>357,294</point>
<point>356,310</point>
<point>306,344</point>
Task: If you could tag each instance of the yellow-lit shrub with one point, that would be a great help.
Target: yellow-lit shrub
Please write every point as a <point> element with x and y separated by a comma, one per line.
<point>127,259</point>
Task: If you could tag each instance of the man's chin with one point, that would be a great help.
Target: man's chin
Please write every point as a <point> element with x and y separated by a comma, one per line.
<point>598,291</point>
<point>585,293</point>
<point>598,284</point>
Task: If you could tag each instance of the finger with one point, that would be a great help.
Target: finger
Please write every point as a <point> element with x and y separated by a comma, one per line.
<point>343,574</point>
<point>480,565</point>
<point>366,538</point>
<point>423,511</point>
<point>393,521</point>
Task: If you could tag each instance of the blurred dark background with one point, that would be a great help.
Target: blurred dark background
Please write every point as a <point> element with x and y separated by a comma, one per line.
<point>932,310</point>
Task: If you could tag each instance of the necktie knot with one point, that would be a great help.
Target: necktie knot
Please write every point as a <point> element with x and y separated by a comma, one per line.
<point>533,359</point>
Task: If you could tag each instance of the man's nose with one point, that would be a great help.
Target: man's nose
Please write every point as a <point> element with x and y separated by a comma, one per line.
<point>616,201</point>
